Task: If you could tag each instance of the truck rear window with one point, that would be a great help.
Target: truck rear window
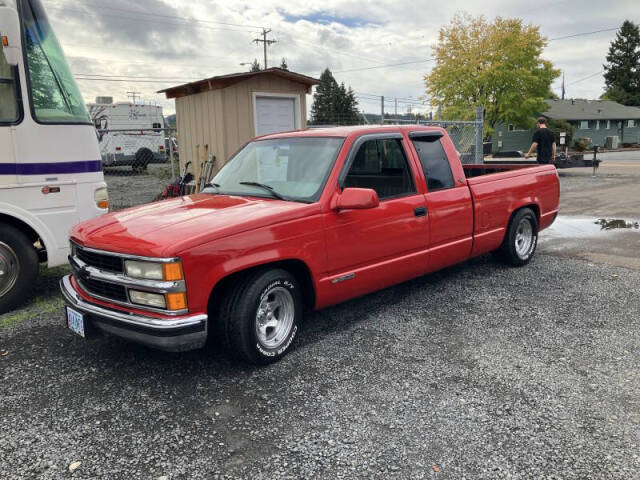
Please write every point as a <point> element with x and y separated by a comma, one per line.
<point>435,163</point>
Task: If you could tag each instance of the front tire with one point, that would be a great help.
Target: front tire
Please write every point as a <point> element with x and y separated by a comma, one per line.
<point>260,316</point>
<point>521,239</point>
<point>19,267</point>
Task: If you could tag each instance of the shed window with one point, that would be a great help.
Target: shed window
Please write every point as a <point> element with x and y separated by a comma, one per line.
<point>631,123</point>
<point>584,124</point>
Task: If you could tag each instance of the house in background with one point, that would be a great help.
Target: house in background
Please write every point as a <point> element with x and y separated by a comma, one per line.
<point>226,111</point>
<point>593,119</point>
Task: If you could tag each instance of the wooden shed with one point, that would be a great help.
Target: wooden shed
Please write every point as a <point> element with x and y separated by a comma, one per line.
<point>226,111</point>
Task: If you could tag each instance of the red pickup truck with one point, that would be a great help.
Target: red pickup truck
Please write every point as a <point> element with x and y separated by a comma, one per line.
<point>299,219</point>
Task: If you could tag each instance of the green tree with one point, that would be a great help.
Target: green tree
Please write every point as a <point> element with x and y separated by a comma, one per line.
<point>622,70</point>
<point>255,66</point>
<point>557,126</point>
<point>283,64</point>
<point>333,103</point>
<point>496,65</point>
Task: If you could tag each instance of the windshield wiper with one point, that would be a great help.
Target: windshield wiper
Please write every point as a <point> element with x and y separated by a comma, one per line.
<point>266,187</point>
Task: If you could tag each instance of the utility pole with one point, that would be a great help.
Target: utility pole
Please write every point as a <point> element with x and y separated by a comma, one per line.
<point>265,43</point>
<point>396,109</point>
<point>382,109</point>
<point>133,95</point>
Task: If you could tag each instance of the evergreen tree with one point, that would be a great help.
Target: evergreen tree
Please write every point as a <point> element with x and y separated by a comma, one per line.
<point>284,65</point>
<point>622,70</point>
<point>333,103</point>
<point>255,66</point>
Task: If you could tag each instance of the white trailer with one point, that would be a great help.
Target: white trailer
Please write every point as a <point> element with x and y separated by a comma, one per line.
<point>129,133</point>
<point>50,169</point>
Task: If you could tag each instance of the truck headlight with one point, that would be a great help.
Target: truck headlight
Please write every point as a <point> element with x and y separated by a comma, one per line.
<point>101,197</point>
<point>149,299</point>
<point>153,271</point>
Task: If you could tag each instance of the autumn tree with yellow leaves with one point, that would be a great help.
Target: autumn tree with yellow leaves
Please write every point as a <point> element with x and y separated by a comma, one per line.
<point>496,65</point>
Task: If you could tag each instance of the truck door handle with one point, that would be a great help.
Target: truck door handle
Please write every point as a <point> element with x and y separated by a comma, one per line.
<point>420,211</point>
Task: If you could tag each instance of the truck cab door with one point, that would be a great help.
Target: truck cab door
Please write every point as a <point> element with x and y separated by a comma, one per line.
<point>448,200</point>
<point>373,248</point>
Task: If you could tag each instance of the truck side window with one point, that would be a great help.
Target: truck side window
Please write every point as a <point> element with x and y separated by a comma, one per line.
<point>381,165</point>
<point>435,163</point>
<point>9,107</point>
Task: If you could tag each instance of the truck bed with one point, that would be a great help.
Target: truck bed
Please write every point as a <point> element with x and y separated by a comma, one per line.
<point>471,171</point>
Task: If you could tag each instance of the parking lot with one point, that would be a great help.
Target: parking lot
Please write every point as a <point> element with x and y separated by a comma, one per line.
<point>478,371</point>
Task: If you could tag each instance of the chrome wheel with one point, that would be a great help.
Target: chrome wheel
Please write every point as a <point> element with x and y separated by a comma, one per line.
<point>524,238</point>
<point>274,317</point>
<point>9,268</point>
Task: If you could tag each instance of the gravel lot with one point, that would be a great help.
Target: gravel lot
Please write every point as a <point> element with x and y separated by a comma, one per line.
<point>479,371</point>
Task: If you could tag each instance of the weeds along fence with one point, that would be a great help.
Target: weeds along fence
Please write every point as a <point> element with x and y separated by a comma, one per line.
<point>137,164</point>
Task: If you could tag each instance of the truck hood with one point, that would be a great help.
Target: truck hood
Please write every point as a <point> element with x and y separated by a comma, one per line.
<point>165,228</point>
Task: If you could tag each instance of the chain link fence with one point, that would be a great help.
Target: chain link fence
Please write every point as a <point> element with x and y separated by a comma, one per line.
<point>138,164</point>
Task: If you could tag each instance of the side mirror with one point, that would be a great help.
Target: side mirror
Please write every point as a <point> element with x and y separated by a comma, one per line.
<point>357,199</point>
<point>11,55</point>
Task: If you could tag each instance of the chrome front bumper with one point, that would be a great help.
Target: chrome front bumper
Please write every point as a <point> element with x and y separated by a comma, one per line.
<point>172,334</point>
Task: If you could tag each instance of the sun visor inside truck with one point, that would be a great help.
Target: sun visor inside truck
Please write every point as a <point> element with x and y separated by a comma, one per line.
<point>433,134</point>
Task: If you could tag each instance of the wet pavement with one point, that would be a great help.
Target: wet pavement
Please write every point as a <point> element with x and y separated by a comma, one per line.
<point>615,241</point>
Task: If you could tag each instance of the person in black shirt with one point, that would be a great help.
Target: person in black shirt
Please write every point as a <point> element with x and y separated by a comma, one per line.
<point>544,140</point>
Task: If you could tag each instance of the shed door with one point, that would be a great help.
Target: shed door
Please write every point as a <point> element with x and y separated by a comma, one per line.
<point>275,114</point>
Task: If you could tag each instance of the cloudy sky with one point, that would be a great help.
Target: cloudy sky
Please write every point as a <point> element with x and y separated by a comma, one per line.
<point>116,46</point>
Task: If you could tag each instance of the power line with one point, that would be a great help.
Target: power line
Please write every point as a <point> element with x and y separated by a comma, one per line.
<point>385,66</point>
<point>582,34</point>
<point>150,21</point>
<point>188,19</point>
<point>586,78</point>
<point>145,77</point>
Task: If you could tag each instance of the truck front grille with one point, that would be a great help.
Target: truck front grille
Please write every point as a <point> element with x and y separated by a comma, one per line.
<point>104,289</point>
<point>109,263</point>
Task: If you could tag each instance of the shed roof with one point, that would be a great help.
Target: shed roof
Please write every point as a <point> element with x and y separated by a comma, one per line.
<point>579,109</point>
<point>223,81</point>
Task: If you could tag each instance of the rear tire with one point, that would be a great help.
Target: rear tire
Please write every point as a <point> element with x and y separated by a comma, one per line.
<point>143,158</point>
<point>521,239</point>
<point>260,315</point>
<point>19,267</point>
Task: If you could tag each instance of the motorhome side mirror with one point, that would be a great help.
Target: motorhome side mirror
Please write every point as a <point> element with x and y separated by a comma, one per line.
<point>357,199</point>
<point>11,55</point>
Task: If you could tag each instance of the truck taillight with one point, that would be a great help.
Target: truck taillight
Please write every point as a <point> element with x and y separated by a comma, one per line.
<point>101,197</point>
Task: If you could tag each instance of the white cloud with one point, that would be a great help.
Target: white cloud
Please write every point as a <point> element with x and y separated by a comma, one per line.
<point>103,38</point>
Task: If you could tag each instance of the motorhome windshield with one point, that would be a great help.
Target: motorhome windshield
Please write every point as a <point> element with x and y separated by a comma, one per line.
<point>9,107</point>
<point>55,97</point>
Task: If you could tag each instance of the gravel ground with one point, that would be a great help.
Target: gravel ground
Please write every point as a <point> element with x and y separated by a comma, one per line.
<point>479,371</point>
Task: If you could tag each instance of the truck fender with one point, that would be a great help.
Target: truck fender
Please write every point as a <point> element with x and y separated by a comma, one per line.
<point>232,267</point>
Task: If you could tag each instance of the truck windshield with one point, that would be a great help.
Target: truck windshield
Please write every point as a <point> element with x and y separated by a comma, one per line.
<point>295,168</point>
<point>9,108</point>
<point>54,94</point>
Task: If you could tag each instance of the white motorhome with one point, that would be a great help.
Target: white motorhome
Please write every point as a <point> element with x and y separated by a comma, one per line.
<point>129,133</point>
<point>50,170</point>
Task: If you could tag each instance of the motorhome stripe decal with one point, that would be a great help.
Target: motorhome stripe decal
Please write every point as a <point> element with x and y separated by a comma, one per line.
<point>50,168</point>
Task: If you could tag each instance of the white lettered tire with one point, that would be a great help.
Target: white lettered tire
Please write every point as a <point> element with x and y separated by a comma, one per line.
<point>261,315</point>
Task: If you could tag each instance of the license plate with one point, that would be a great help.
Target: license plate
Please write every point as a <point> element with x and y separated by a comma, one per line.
<point>75,321</point>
